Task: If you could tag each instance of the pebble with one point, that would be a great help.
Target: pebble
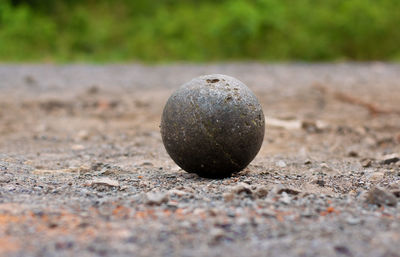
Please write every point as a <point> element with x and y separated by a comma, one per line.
<point>390,159</point>
<point>199,211</point>
<point>324,165</point>
<point>241,188</point>
<point>82,135</point>
<point>352,154</point>
<point>228,197</point>
<point>77,147</point>
<point>307,214</point>
<point>380,197</point>
<point>104,182</point>
<point>176,192</point>
<point>366,163</point>
<point>281,164</point>
<point>320,182</point>
<point>369,141</point>
<point>343,250</point>
<point>261,192</point>
<point>173,205</point>
<point>307,162</point>
<point>5,180</point>
<point>396,193</point>
<point>216,235</point>
<point>156,198</point>
<point>285,198</point>
<point>289,191</point>
<point>353,221</point>
<point>311,126</point>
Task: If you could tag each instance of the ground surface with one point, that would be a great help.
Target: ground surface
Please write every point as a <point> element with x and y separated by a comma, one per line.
<point>83,170</point>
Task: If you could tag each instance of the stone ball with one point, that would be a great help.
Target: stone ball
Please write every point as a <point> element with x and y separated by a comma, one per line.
<point>213,126</point>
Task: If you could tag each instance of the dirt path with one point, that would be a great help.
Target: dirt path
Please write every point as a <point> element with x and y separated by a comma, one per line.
<point>83,170</point>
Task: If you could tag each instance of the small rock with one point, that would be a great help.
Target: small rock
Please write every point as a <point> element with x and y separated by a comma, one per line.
<point>390,159</point>
<point>311,126</point>
<point>281,164</point>
<point>369,141</point>
<point>147,163</point>
<point>353,221</point>
<point>82,135</point>
<point>97,166</point>
<point>366,163</point>
<point>176,192</point>
<point>105,169</point>
<point>199,211</point>
<point>30,80</point>
<point>217,234</point>
<point>241,188</point>
<point>230,213</point>
<point>288,191</point>
<point>104,182</point>
<point>213,212</point>
<point>285,198</point>
<point>352,154</point>
<point>324,165</point>
<point>396,193</point>
<point>307,214</point>
<point>343,250</point>
<point>362,131</point>
<point>228,197</point>
<point>248,181</point>
<point>173,205</point>
<point>156,198</point>
<point>83,169</point>
<point>94,89</point>
<point>77,147</point>
<point>261,192</point>
<point>307,162</point>
<point>5,179</point>
<point>381,197</point>
<point>320,182</point>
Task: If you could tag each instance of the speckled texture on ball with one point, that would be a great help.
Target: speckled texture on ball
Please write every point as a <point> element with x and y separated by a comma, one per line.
<point>213,126</point>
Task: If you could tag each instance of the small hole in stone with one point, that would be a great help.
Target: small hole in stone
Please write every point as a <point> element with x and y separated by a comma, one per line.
<point>212,80</point>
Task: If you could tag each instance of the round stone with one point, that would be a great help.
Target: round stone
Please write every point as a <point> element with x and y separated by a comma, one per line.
<point>213,126</point>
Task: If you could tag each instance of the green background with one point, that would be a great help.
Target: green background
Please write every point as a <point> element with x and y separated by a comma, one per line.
<point>190,30</point>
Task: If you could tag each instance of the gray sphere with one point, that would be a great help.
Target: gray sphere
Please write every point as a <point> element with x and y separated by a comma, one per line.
<point>213,126</point>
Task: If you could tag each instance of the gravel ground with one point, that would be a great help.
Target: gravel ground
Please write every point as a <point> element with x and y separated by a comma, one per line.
<point>83,171</point>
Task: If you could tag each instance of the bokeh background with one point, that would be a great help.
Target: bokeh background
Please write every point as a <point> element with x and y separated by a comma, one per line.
<point>193,30</point>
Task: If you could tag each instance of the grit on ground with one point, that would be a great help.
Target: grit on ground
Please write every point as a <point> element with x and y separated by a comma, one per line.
<point>83,170</point>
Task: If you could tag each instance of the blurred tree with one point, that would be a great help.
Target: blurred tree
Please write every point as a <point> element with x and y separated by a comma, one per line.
<point>164,30</point>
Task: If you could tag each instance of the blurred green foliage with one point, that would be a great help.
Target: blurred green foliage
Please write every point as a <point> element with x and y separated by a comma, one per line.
<point>190,30</point>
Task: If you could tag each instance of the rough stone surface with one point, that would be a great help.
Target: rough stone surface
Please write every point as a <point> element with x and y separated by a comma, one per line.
<point>213,126</point>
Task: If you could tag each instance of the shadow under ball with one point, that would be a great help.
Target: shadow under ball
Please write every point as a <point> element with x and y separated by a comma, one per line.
<point>213,126</point>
